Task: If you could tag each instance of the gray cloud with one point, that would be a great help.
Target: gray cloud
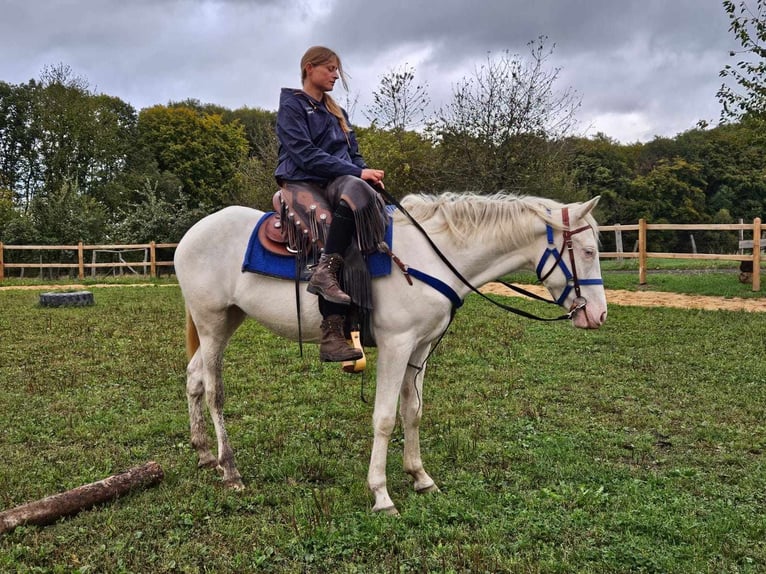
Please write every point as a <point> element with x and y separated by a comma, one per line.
<point>642,67</point>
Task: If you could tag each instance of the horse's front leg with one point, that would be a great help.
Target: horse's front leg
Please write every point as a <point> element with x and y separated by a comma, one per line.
<point>411,408</point>
<point>390,368</point>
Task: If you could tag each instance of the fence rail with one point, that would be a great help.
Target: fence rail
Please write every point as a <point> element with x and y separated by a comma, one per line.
<point>756,245</point>
<point>150,257</point>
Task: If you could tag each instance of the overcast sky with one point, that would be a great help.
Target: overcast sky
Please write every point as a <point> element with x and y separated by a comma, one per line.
<point>641,67</point>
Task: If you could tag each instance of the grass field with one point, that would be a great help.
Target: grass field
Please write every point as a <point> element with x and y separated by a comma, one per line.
<point>636,448</point>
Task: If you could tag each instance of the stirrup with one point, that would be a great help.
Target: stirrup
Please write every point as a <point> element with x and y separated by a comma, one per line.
<point>360,364</point>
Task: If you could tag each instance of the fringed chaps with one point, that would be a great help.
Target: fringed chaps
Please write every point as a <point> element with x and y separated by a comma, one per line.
<point>306,208</point>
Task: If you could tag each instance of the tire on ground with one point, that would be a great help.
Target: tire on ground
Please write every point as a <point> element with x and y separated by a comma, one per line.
<point>70,299</point>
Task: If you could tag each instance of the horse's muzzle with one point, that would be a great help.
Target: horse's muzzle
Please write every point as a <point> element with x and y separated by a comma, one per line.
<point>578,312</point>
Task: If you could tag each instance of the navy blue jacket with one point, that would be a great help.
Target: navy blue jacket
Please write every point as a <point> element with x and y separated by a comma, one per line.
<point>312,145</point>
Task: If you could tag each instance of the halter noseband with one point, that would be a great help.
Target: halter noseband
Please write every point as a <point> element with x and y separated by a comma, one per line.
<point>573,281</point>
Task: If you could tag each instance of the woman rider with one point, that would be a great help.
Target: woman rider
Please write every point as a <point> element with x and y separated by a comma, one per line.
<point>319,158</point>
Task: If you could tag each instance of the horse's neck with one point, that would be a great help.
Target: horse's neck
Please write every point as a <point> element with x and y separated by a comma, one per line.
<point>479,259</point>
<point>486,261</point>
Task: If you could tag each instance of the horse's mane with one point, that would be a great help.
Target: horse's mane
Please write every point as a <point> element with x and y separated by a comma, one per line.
<point>473,217</point>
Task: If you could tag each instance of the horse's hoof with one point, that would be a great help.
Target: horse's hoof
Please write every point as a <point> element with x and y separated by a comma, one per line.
<point>428,489</point>
<point>388,510</point>
<point>234,484</point>
<point>210,463</point>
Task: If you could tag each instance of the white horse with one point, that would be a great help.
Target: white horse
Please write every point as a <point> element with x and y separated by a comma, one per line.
<point>483,237</point>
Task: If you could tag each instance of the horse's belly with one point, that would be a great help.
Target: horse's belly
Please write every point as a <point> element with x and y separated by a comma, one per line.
<point>272,303</point>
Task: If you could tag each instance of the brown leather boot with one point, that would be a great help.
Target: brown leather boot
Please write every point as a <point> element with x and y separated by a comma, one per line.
<point>324,280</point>
<point>333,346</point>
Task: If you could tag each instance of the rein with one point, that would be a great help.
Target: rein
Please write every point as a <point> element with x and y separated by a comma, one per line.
<point>579,302</point>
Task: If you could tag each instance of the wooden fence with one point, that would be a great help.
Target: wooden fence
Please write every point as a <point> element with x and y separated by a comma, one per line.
<point>149,261</point>
<point>756,245</point>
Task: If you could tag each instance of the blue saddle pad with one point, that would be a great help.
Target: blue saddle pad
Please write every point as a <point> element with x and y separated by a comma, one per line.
<point>259,260</point>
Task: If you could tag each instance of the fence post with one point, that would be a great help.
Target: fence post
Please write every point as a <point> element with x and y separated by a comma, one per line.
<point>757,254</point>
<point>642,251</point>
<point>153,259</point>
<point>741,232</point>
<point>2,262</point>
<point>80,261</point>
<point>618,241</point>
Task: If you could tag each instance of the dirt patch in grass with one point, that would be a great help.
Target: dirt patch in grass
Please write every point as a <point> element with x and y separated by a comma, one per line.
<point>653,299</point>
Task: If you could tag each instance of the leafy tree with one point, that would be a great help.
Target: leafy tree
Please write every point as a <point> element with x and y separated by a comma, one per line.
<point>258,183</point>
<point>257,171</point>
<point>731,157</point>
<point>205,109</point>
<point>407,157</point>
<point>66,135</point>
<point>113,124</point>
<point>65,215</point>
<point>398,104</point>
<point>259,129</point>
<point>678,187</point>
<point>200,149</point>
<point>747,21</point>
<point>55,133</point>
<point>8,216</point>
<point>19,163</point>
<point>16,228</point>
<point>156,218</point>
<point>601,166</point>
<point>655,151</point>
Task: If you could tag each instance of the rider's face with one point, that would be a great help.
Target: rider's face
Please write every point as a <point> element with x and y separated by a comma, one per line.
<point>323,76</point>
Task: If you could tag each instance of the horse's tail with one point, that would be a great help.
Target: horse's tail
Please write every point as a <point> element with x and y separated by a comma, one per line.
<point>192,336</point>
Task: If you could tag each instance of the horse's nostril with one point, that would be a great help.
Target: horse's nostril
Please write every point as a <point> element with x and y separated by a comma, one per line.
<point>603,317</point>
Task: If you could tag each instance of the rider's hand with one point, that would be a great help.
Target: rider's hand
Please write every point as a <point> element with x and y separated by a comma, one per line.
<point>374,176</point>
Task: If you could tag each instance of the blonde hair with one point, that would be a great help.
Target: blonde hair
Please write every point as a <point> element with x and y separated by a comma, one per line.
<point>318,56</point>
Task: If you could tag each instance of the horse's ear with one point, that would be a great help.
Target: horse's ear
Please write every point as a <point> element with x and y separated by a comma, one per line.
<point>580,210</point>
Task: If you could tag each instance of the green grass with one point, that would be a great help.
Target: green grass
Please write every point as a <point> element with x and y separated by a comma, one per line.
<point>635,448</point>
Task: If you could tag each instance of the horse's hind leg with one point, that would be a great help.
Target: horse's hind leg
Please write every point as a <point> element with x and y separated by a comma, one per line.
<point>411,410</point>
<point>195,391</point>
<point>214,333</point>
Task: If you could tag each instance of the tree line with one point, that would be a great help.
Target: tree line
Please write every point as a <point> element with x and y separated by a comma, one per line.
<point>80,166</point>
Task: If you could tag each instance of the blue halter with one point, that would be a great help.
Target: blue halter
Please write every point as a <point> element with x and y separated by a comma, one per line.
<point>573,282</point>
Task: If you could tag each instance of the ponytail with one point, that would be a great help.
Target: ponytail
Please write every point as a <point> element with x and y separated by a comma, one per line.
<point>337,111</point>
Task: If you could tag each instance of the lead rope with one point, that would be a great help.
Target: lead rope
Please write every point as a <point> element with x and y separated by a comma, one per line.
<point>404,268</point>
<point>391,199</point>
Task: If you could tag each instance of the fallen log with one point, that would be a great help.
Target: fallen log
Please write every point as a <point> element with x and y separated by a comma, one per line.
<point>51,508</point>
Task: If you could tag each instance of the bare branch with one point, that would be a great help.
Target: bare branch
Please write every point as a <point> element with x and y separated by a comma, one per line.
<point>399,103</point>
